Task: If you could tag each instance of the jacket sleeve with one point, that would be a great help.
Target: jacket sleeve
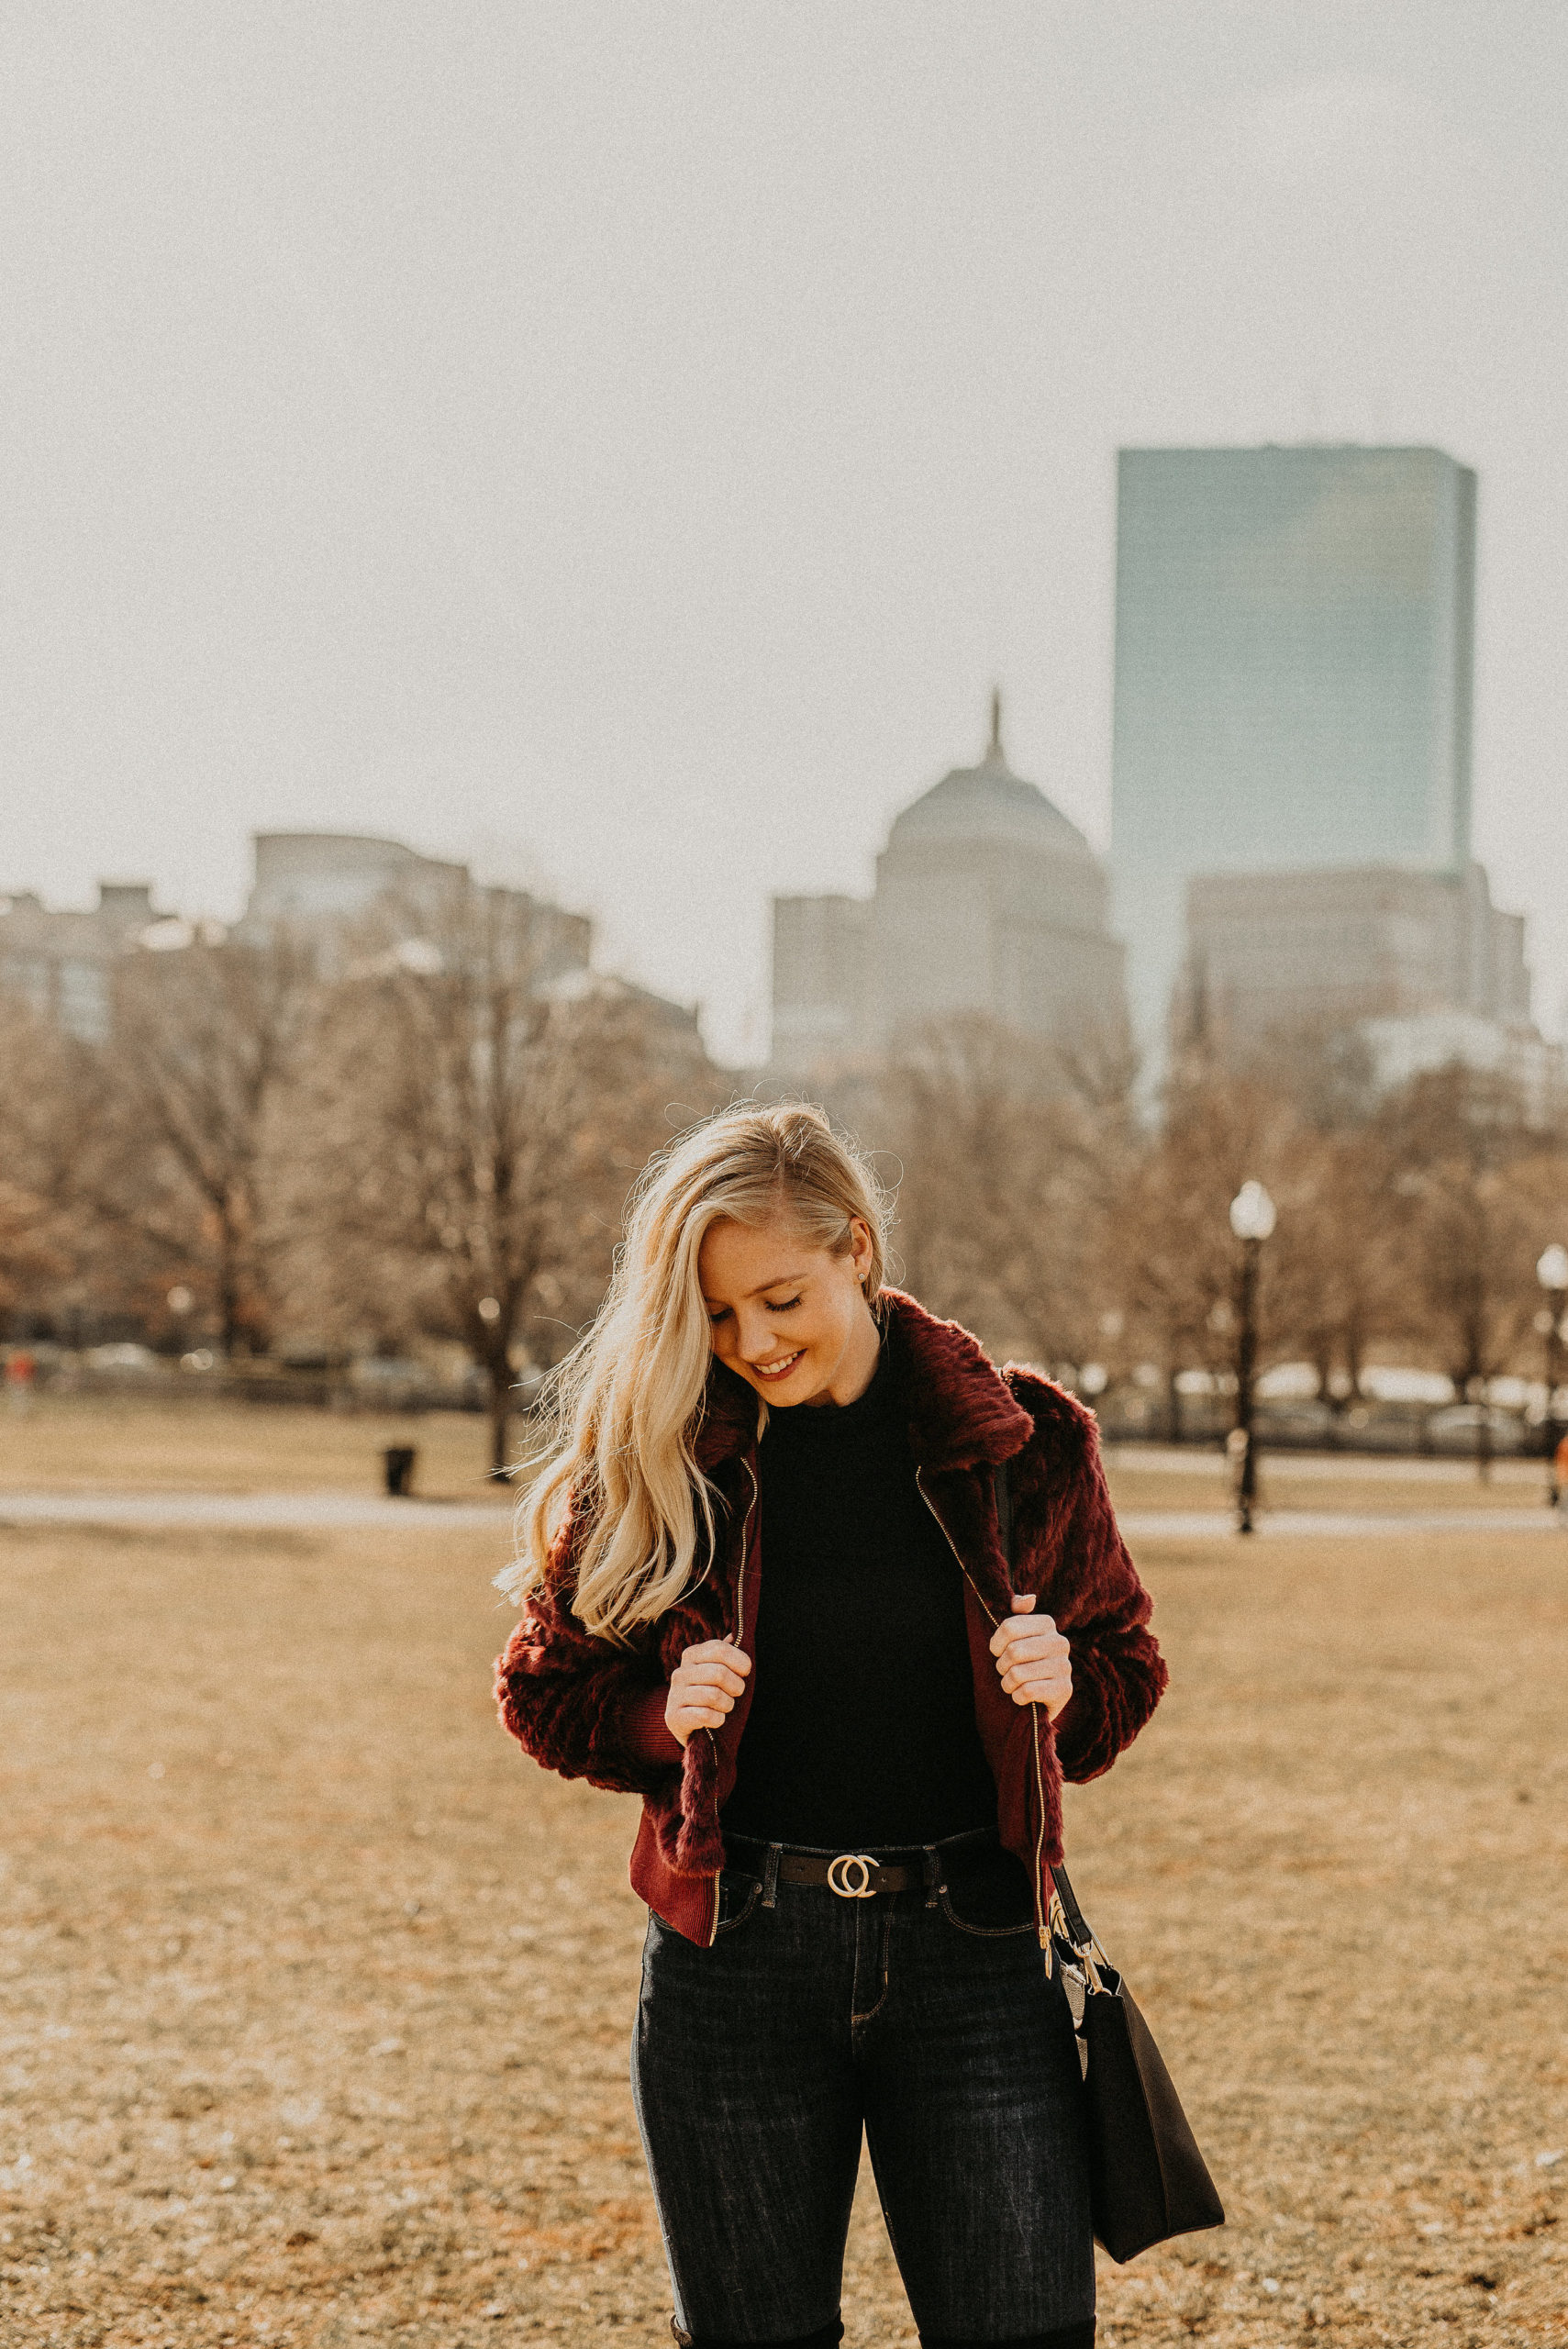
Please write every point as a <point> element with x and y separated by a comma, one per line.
<point>1093,1590</point>
<point>581,1705</point>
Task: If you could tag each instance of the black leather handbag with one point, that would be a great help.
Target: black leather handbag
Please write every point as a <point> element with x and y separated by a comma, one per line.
<point>1148,2179</point>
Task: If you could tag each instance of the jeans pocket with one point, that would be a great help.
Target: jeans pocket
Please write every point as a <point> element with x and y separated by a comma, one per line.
<point>985,1933</point>
<point>990,1896</point>
<point>737,1896</point>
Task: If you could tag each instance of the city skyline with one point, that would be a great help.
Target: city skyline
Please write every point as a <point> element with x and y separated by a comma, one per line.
<point>650,534</point>
<point>489,858</point>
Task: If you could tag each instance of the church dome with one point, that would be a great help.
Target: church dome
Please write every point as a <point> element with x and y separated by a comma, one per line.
<point>990,802</point>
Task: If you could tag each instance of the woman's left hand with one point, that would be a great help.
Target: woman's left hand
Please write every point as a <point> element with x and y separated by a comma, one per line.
<point>1033,1659</point>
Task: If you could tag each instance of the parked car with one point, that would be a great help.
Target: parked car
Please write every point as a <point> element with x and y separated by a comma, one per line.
<point>1295,1420</point>
<point>1459,1429</point>
<point>125,1358</point>
<point>391,1382</point>
<point>1382,1427</point>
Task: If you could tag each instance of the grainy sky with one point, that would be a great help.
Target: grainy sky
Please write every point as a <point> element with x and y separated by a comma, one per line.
<point>625,441</point>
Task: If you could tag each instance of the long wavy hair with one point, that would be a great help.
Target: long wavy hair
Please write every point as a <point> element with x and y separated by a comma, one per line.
<point>625,1406</point>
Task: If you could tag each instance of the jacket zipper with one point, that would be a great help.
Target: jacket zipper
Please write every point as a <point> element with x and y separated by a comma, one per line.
<point>740,1643</point>
<point>994,1621</point>
<point>745,1531</point>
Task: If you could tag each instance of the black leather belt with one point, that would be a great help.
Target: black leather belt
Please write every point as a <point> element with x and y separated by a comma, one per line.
<point>859,1876</point>
<point>853,1876</point>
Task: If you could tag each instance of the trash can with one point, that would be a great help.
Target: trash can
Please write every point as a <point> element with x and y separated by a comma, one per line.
<point>399,1459</point>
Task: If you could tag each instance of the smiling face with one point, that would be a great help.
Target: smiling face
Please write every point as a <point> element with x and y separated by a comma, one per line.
<point>787,1315</point>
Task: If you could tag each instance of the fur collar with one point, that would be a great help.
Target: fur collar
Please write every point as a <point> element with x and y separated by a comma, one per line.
<point>959,1410</point>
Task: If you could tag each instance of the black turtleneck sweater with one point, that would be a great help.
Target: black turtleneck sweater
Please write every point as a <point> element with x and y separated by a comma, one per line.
<point>861,1731</point>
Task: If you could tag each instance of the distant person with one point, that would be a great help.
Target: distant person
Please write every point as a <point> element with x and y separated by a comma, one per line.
<point>765,1591</point>
<point>20,1372</point>
<point>1559,1472</point>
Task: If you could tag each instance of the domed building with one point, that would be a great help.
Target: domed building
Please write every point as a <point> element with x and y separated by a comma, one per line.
<point>988,900</point>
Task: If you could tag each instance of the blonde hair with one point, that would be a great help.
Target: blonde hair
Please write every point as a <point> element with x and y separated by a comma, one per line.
<point>626,1403</point>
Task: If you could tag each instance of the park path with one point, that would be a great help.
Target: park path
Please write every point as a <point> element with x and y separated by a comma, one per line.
<point>329,1511</point>
<point>1335,1525</point>
<point>1375,1467</point>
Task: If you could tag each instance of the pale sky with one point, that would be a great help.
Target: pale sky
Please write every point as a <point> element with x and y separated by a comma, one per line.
<point>624,442</point>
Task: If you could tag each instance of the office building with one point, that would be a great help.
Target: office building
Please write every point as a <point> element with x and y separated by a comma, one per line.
<point>60,961</point>
<point>1294,662</point>
<point>339,890</point>
<point>347,893</point>
<point>1272,952</point>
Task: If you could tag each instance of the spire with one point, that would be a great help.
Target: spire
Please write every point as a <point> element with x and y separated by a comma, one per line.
<point>994,750</point>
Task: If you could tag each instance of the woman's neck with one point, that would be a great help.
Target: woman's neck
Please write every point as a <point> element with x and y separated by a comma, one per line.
<point>856,1367</point>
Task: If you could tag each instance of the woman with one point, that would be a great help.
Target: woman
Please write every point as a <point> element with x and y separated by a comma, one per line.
<point>765,1591</point>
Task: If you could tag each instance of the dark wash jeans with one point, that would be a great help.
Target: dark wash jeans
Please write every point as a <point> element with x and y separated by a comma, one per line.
<point>925,2017</point>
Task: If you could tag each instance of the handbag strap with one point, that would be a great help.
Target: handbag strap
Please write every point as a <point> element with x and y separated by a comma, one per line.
<point>1080,1933</point>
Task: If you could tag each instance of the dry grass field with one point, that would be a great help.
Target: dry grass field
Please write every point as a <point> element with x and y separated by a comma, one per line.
<point>80,1443</point>
<point>315,1997</point>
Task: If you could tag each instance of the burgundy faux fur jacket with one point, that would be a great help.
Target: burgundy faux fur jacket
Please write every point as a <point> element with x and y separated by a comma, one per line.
<point>592,1710</point>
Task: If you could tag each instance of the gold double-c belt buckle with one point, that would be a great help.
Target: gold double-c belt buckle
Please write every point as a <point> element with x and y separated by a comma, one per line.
<point>840,1879</point>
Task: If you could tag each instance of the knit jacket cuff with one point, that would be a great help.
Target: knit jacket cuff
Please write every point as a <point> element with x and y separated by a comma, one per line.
<point>647,1734</point>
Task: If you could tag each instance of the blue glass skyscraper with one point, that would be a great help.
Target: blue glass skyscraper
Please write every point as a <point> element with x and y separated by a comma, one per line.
<point>1294,658</point>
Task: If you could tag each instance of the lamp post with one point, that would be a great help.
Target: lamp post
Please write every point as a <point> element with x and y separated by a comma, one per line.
<point>1252,1221</point>
<point>181,1302</point>
<point>1552,1271</point>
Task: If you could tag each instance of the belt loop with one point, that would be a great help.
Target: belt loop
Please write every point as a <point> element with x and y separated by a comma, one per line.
<point>936,1882</point>
<point>771,1875</point>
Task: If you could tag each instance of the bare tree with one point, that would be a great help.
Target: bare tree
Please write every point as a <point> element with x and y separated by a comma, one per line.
<point>1332,1278</point>
<point>1337,1254</point>
<point>39,1075</point>
<point>478,1116</point>
<point>1177,1268</point>
<point>1171,1278</point>
<point>1472,1174</point>
<point>1007,1157</point>
<point>206,1045</point>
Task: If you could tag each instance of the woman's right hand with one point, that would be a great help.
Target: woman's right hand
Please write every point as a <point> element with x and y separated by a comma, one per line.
<point>704,1686</point>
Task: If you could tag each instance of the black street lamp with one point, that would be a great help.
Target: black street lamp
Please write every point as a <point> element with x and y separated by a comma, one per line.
<point>1252,1221</point>
<point>1552,1271</point>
